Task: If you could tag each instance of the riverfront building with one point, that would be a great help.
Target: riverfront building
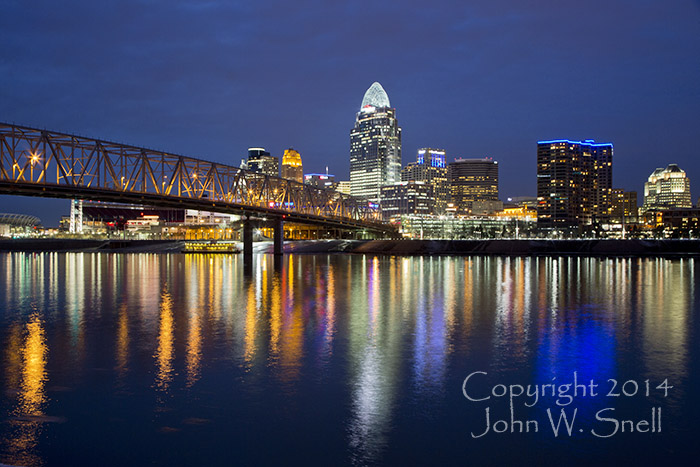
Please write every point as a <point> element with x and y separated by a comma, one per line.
<point>407,198</point>
<point>667,189</point>
<point>465,228</point>
<point>375,146</point>
<point>471,180</point>
<point>574,183</point>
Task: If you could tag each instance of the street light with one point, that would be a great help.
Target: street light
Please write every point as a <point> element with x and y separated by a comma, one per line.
<point>33,160</point>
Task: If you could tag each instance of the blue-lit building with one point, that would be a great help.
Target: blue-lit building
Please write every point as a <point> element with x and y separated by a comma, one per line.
<point>574,183</point>
<point>430,167</point>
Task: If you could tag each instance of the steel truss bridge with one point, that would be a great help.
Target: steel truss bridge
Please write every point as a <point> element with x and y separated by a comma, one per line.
<point>37,162</point>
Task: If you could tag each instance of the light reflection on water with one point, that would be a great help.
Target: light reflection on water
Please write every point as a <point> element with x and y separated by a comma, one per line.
<point>349,350</point>
<point>165,352</point>
<point>27,357</point>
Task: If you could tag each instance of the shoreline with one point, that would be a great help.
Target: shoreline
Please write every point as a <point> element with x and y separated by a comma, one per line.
<point>490,247</point>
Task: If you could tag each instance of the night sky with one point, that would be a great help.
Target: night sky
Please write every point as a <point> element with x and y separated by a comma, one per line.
<point>211,78</point>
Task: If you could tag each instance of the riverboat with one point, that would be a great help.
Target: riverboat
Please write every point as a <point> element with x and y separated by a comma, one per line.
<point>211,247</point>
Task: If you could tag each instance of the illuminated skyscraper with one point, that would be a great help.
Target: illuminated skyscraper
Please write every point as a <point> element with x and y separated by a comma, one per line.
<point>291,166</point>
<point>574,183</point>
<point>375,146</point>
<point>430,167</point>
<point>667,188</point>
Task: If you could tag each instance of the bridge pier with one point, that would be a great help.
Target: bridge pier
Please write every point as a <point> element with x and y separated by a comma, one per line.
<point>278,236</point>
<point>247,240</point>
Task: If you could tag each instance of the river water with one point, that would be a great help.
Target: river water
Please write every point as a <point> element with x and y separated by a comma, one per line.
<point>130,359</point>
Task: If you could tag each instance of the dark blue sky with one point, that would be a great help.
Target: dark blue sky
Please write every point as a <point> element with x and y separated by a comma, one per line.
<point>212,78</point>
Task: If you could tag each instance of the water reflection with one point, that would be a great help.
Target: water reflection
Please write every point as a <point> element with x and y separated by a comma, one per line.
<point>27,358</point>
<point>667,295</point>
<point>387,336</point>
<point>431,307</point>
<point>165,352</point>
<point>123,342</point>
<point>375,361</point>
<point>194,347</point>
<point>34,352</point>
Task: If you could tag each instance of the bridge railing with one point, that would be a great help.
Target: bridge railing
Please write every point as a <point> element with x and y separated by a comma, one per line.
<point>46,158</point>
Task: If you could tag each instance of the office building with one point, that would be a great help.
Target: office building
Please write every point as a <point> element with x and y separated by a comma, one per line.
<point>291,166</point>
<point>624,206</point>
<point>471,180</point>
<point>407,198</point>
<point>343,186</point>
<point>667,189</point>
<point>375,146</point>
<point>430,167</point>
<point>574,183</point>
<point>261,161</point>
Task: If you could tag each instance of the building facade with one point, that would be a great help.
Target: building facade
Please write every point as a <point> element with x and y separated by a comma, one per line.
<point>486,208</point>
<point>574,182</point>
<point>321,181</point>
<point>624,206</point>
<point>407,198</point>
<point>343,186</point>
<point>261,161</point>
<point>430,167</point>
<point>291,166</point>
<point>471,180</point>
<point>375,146</point>
<point>462,228</point>
<point>667,189</point>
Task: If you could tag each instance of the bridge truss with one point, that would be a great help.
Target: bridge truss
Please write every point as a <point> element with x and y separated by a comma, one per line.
<point>45,163</point>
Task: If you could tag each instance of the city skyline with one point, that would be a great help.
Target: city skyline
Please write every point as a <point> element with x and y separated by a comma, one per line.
<point>486,84</point>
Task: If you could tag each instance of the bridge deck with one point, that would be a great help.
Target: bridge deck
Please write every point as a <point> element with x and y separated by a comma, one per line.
<point>37,162</point>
